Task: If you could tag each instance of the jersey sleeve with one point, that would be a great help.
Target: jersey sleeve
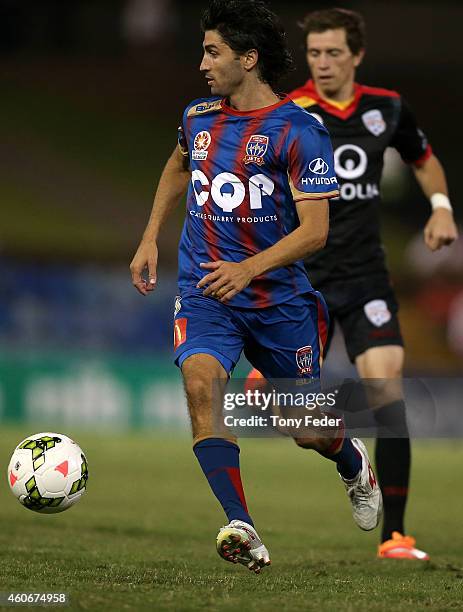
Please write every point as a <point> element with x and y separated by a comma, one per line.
<point>182,142</point>
<point>311,172</point>
<point>181,134</point>
<point>408,139</point>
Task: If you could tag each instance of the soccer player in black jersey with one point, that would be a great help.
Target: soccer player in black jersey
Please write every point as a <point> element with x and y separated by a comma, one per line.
<point>351,270</point>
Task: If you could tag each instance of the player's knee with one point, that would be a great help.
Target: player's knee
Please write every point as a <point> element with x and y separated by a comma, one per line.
<point>203,375</point>
<point>388,369</point>
<point>383,362</point>
<point>393,370</point>
<point>308,442</point>
<point>197,388</point>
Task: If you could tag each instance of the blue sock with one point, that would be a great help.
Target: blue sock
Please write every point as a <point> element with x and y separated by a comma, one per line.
<point>348,460</point>
<point>219,460</point>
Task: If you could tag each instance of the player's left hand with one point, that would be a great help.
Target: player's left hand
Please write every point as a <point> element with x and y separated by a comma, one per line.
<point>440,230</point>
<point>226,279</point>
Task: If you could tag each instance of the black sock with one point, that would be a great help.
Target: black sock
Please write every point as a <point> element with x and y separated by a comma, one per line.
<point>393,459</point>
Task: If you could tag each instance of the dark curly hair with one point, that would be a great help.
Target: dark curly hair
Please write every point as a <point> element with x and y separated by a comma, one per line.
<point>334,19</point>
<point>250,24</point>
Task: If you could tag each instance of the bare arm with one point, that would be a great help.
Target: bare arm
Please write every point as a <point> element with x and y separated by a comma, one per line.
<point>171,187</point>
<point>440,229</point>
<point>308,238</point>
<point>226,279</point>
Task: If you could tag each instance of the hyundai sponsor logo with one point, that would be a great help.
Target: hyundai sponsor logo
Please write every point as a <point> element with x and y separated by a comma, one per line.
<point>318,166</point>
<point>320,180</point>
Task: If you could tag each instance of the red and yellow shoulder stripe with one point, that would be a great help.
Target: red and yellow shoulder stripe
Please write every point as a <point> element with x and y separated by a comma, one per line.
<point>304,101</point>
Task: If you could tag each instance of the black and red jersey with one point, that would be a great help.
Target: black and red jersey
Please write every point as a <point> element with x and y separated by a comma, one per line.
<point>360,132</point>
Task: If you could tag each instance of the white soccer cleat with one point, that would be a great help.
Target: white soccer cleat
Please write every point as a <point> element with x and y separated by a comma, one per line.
<point>238,542</point>
<point>364,492</point>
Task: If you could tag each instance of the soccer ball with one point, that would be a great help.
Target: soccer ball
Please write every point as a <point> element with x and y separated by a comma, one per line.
<point>48,473</point>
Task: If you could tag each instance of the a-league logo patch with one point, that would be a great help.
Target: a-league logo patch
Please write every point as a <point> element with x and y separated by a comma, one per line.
<point>201,144</point>
<point>377,312</point>
<point>256,149</point>
<point>374,122</point>
<point>304,360</point>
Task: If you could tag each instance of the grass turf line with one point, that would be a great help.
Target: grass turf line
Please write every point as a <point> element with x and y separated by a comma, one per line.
<point>143,536</point>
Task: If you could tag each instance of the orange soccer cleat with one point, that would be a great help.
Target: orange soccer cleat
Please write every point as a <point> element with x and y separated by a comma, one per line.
<point>401,547</point>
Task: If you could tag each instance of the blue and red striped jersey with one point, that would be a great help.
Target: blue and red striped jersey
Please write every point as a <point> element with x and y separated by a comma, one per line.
<point>248,170</point>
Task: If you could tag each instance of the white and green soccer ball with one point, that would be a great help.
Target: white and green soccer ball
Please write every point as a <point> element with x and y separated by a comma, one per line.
<point>48,473</point>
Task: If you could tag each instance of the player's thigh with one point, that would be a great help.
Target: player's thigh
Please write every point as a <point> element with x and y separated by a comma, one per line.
<point>204,379</point>
<point>373,324</point>
<point>286,340</point>
<point>207,343</point>
<point>381,370</point>
<point>381,362</point>
<point>334,298</point>
<point>288,352</point>
<point>202,325</point>
<point>374,343</point>
<point>203,375</point>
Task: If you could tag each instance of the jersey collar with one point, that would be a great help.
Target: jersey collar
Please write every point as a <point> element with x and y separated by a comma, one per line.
<point>254,113</point>
<point>330,106</point>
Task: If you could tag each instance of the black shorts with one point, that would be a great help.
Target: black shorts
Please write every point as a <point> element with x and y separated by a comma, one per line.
<point>366,309</point>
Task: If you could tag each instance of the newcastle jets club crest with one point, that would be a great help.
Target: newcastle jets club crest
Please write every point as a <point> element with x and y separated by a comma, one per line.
<point>304,358</point>
<point>256,149</point>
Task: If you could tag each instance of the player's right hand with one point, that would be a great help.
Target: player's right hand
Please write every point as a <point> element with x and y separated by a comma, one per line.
<point>145,259</point>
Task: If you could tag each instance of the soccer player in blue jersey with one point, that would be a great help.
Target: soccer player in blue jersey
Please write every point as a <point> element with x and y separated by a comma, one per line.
<point>259,172</point>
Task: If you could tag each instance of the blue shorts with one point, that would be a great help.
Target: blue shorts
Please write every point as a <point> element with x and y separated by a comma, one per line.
<point>281,341</point>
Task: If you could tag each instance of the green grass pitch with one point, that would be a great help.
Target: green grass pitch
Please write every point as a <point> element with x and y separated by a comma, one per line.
<point>143,536</point>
